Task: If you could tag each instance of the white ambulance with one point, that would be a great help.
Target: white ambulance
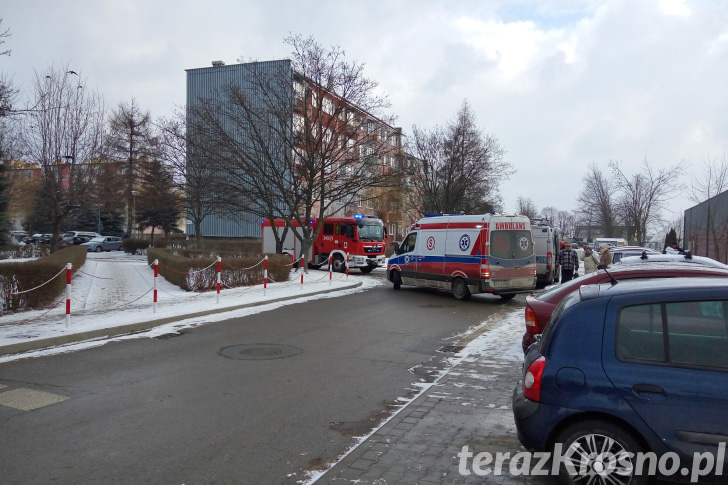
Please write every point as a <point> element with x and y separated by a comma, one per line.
<point>487,253</point>
<point>546,247</point>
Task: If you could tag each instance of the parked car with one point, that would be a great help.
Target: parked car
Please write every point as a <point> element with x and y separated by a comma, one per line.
<point>103,243</point>
<point>619,252</point>
<point>45,239</point>
<point>69,237</point>
<point>629,374</point>
<point>19,236</point>
<point>673,258</point>
<point>539,306</point>
<point>81,239</point>
<point>32,238</point>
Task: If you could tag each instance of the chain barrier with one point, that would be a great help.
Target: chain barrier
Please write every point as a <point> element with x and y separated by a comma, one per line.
<point>245,289</point>
<point>41,285</point>
<point>53,307</point>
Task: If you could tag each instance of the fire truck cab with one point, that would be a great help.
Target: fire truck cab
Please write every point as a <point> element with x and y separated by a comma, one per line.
<point>359,238</point>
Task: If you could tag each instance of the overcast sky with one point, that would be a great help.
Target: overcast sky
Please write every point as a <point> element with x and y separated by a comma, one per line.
<point>561,84</point>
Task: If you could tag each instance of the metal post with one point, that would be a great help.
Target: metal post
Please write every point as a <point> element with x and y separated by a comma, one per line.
<point>69,275</point>
<point>219,269</point>
<point>156,275</point>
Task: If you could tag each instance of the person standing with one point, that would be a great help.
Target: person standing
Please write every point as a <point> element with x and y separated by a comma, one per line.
<point>591,260</point>
<point>569,261</point>
<point>605,260</point>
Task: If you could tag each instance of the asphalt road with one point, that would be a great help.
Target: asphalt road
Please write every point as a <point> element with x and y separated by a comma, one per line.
<point>257,400</point>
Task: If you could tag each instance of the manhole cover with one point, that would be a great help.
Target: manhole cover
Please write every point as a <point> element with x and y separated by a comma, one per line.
<point>259,351</point>
<point>435,305</point>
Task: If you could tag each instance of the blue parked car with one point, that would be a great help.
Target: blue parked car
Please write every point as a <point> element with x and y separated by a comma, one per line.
<point>630,380</point>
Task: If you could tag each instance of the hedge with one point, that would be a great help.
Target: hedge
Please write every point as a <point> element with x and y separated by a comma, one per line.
<point>196,269</point>
<point>46,277</point>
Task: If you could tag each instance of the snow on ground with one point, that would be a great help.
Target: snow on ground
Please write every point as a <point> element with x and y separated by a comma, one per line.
<point>115,289</point>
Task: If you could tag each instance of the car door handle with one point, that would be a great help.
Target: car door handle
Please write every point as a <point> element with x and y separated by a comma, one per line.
<point>647,388</point>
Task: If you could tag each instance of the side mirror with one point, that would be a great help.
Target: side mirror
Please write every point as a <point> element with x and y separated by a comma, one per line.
<point>397,248</point>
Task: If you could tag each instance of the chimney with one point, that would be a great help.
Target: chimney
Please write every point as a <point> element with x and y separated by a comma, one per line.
<point>218,63</point>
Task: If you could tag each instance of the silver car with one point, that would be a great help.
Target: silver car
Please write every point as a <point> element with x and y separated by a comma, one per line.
<point>103,243</point>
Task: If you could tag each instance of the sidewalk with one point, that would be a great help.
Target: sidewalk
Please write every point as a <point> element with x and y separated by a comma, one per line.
<point>469,406</point>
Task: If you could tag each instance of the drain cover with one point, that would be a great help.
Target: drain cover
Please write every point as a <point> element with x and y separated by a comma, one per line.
<point>259,351</point>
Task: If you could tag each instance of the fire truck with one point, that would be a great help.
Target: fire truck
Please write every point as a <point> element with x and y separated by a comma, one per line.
<point>359,237</point>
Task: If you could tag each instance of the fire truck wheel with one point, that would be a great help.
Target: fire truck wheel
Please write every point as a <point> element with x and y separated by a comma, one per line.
<point>396,280</point>
<point>339,264</point>
<point>460,289</point>
<point>366,269</point>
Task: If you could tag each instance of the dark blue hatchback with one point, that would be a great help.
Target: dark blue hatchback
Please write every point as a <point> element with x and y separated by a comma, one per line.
<point>630,381</point>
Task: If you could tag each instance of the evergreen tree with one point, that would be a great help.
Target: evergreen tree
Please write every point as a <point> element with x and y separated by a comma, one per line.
<point>670,238</point>
<point>4,204</point>
<point>158,204</point>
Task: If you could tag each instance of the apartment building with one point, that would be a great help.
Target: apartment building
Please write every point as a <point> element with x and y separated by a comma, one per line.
<point>303,110</point>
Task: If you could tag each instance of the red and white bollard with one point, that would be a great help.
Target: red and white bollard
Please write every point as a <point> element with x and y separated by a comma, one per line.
<point>69,275</point>
<point>347,266</point>
<point>265,274</point>
<point>156,275</point>
<point>219,280</point>
<point>331,270</point>
<point>303,266</point>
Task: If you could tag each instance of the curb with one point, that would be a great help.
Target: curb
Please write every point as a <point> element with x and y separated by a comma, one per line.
<point>130,328</point>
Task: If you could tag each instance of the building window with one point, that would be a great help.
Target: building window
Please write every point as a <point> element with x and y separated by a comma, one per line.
<point>299,124</point>
<point>328,106</point>
<point>299,90</point>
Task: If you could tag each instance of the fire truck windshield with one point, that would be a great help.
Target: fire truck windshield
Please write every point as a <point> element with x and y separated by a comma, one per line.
<point>371,232</point>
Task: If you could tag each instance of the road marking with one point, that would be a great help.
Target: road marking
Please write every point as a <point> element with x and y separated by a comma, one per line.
<point>29,399</point>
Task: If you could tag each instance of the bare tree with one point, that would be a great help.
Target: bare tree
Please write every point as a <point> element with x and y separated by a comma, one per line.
<point>714,181</point>
<point>61,134</point>
<point>566,221</point>
<point>643,195</point>
<point>596,205</point>
<point>459,168</point>
<point>298,139</point>
<point>195,176</point>
<point>130,140</point>
<point>549,213</point>
<point>4,34</point>
<point>527,207</point>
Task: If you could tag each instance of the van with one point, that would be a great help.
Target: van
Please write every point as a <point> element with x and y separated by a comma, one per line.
<point>465,254</point>
<point>609,241</point>
<point>546,248</point>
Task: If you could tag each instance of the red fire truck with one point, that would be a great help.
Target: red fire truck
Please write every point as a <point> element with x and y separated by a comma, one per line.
<point>360,237</point>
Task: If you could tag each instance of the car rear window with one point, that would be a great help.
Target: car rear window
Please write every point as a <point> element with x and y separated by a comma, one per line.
<point>511,244</point>
<point>686,333</point>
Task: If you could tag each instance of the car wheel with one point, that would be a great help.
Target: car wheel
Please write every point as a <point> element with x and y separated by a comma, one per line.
<point>98,249</point>
<point>508,297</point>
<point>396,280</point>
<point>460,290</point>
<point>598,452</point>
<point>338,263</point>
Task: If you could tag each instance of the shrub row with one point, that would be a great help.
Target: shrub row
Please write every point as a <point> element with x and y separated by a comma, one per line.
<point>132,245</point>
<point>26,275</point>
<point>184,268</point>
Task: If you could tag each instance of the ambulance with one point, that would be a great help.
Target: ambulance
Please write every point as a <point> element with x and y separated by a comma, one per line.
<point>546,247</point>
<point>465,254</point>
